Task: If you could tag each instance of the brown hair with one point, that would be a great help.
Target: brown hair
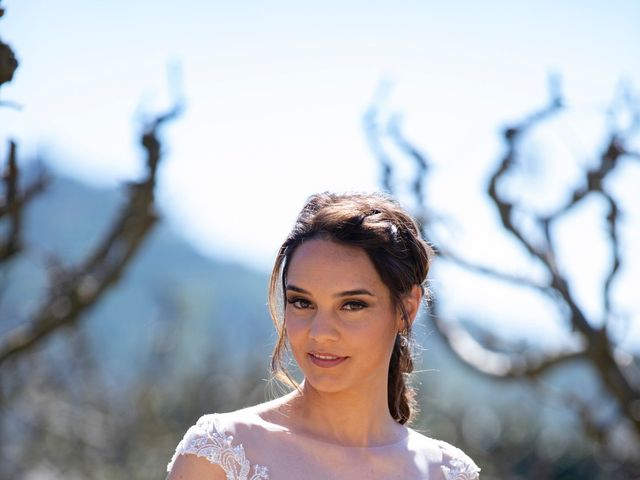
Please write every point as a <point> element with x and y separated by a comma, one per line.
<point>391,238</point>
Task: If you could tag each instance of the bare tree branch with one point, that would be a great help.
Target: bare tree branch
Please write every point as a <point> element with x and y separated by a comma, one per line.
<point>612,231</point>
<point>419,158</point>
<point>77,289</point>
<point>505,207</point>
<point>375,134</point>
<point>495,364</point>
<point>8,66</point>
<point>519,280</point>
<point>8,63</point>
<point>594,181</point>
<point>598,347</point>
<point>11,245</point>
<point>14,202</point>
<point>372,131</point>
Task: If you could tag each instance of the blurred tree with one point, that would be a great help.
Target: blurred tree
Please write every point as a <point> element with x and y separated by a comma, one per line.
<point>72,425</point>
<point>60,419</point>
<point>73,290</point>
<point>591,341</point>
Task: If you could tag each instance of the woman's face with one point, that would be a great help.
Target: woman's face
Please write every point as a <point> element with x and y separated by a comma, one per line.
<point>339,316</point>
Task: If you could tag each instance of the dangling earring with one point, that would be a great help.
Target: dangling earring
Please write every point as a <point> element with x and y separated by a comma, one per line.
<point>401,338</point>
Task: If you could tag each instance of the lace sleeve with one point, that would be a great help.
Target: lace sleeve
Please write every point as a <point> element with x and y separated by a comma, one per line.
<point>456,464</point>
<point>205,440</point>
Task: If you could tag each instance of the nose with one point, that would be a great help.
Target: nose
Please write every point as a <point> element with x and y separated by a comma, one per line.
<point>324,327</point>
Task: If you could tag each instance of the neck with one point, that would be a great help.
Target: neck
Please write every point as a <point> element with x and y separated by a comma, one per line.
<point>349,418</point>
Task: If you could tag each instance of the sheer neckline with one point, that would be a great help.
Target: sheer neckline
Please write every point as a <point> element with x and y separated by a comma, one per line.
<point>220,441</point>
<point>274,427</point>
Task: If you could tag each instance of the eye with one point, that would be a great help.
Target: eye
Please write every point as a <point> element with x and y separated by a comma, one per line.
<point>354,305</point>
<point>299,303</point>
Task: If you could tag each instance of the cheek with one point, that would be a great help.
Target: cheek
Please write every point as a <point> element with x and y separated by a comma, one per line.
<point>296,337</point>
<point>295,328</point>
<point>385,340</point>
<point>382,337</point>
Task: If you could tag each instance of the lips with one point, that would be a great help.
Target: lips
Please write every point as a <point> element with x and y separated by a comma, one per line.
<point>325,360</point>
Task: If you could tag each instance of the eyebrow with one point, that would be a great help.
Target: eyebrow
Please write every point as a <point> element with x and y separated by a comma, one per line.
<point>347,293</point>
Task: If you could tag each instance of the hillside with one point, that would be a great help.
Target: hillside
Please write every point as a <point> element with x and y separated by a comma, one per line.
<point>208,303</point>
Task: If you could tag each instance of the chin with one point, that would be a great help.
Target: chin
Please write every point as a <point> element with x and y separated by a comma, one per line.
<point>321,383</point>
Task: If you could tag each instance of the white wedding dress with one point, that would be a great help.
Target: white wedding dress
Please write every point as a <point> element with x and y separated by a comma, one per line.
<point>225,439</point>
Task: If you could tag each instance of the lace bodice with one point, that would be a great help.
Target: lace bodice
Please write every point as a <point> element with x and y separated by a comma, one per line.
<point>206,439</point>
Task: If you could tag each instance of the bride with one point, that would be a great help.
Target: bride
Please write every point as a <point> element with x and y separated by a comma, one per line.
<point>344,291</point>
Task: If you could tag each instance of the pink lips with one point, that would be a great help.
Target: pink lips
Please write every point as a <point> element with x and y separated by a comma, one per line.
<point>325,360</point>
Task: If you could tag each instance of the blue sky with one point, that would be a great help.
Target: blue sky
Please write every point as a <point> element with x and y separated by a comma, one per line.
<point>275,95</point>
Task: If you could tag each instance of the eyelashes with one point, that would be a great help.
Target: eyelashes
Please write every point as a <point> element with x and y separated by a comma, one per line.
<point>355,305</point>
<point>299,303</point>
<point>350,305</point>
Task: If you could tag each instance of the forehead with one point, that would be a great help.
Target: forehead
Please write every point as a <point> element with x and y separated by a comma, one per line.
<point>325,261</point>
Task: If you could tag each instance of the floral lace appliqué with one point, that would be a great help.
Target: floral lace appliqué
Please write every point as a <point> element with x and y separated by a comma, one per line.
<point>205,441</point>
<point>458,466</point>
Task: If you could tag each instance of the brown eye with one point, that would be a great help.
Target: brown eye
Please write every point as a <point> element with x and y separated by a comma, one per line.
<point>299,303</point>
<point>354,305</point>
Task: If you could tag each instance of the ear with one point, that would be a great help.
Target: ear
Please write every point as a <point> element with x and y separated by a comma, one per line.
<point>411,302</point>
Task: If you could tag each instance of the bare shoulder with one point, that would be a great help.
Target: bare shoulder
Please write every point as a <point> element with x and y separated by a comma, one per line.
<point>268,416</point>
<point>193,467</point>
<point>450,461</point>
